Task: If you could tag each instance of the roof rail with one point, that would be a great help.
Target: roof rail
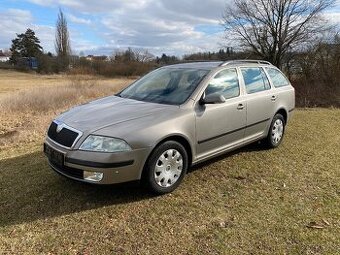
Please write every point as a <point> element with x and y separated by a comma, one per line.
<point>199,61</point>
<point>245,61</point>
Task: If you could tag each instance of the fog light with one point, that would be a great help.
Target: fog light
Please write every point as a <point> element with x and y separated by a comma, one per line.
<point>93,176</point>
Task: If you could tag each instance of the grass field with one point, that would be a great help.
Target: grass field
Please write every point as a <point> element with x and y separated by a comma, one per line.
<point>29,103</point>
<point>12,81</point>
<point>252,201</point>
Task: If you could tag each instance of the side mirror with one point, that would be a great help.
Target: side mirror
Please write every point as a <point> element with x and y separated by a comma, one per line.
<point>214,98</point>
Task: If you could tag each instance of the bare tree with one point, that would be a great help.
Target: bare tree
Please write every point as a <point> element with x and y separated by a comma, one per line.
<point>143,55</point>
<point>62,40</point>
<point>133,55</point>
<point>271,28</point>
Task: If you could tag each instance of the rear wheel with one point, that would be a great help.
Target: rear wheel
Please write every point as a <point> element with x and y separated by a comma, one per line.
<point>276,131</point>
<point>166,167</point>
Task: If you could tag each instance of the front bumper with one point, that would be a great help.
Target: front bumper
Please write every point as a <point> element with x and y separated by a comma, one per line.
<point>116,167</point>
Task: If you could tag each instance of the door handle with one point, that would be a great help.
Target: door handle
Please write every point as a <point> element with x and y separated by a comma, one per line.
<point>273,98</point>
<point>240,106</point>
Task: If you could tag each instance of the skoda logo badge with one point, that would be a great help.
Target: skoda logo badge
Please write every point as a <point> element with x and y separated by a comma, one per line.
<point>59,127</point>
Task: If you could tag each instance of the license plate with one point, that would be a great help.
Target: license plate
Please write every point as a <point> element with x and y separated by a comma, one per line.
<point>54,156</point>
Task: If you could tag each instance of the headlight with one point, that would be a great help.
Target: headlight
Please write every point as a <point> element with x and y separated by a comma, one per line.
<point>104,144</point>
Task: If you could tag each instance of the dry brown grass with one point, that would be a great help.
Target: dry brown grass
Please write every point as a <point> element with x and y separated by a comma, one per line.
<point>52,98</point>
<point>25,112</point>
<point>11,81</point>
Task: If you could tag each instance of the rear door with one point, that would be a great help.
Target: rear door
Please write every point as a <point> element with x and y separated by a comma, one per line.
<point>284,92</point>
<point>260,101</point>
<point>219,126</point>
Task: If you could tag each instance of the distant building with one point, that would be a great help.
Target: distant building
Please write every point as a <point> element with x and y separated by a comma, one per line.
<point>4,57</point>
<point>97,58</point>
<point>89,57</point>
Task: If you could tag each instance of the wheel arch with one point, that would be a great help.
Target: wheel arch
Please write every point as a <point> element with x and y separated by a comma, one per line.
<point>180,139</point>
<point>284,113</point>
<point>177,138</point>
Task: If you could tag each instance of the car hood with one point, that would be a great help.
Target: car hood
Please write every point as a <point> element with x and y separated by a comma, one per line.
<point>109,111</point>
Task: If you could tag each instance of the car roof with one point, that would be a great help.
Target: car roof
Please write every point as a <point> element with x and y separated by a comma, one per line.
<point>198,65</point>
<point>210,65</point>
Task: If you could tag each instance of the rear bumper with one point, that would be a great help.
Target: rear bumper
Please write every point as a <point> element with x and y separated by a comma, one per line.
<point>115,167</point>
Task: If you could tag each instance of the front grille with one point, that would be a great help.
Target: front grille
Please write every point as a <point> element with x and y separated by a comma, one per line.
<point>65,137</point>
<point>69,171</point>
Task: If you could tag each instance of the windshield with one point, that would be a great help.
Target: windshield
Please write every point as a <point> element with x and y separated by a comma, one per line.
<point>165,86</point>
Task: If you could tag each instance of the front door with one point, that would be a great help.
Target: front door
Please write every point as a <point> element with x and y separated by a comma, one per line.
<point>219,126</point>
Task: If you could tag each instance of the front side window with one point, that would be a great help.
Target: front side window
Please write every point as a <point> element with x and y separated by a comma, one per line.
<point>277,78</point>
<point>165,86</point>
<point>255,79</point>
<point>225,83</point>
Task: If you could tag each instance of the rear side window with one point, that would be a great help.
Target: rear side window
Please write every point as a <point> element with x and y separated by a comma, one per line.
<point>278,79</point>
<point>225,83</point>
<point>255,79</point>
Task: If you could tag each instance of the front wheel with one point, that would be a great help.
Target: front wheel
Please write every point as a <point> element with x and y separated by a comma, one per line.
<point>166,167</point>
<point>276,131</point>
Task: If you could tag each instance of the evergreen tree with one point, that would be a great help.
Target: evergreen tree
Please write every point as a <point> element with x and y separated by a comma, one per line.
<point>25,45</point>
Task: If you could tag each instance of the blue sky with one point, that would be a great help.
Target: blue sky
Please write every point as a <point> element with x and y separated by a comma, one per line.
<point>102,27</point>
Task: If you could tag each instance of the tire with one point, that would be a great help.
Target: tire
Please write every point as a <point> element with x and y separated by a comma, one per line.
<point>163,172</point>
<point>276,131</point>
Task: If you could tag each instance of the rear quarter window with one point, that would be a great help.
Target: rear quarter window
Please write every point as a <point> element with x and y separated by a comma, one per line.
<point>277,78</point>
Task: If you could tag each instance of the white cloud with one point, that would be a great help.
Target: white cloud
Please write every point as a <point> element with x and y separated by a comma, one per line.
<point>164,26</point>
<point>16,21</point>
<point>159,25</point>
<point>90,6</point>
<point>46,36</point>
<point>172,27</point>
<point>13,21</point>
<point>78,20</point>
<point>333,17</point>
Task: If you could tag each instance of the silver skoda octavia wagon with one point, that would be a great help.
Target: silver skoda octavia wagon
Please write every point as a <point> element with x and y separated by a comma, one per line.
<point>170,119</point>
